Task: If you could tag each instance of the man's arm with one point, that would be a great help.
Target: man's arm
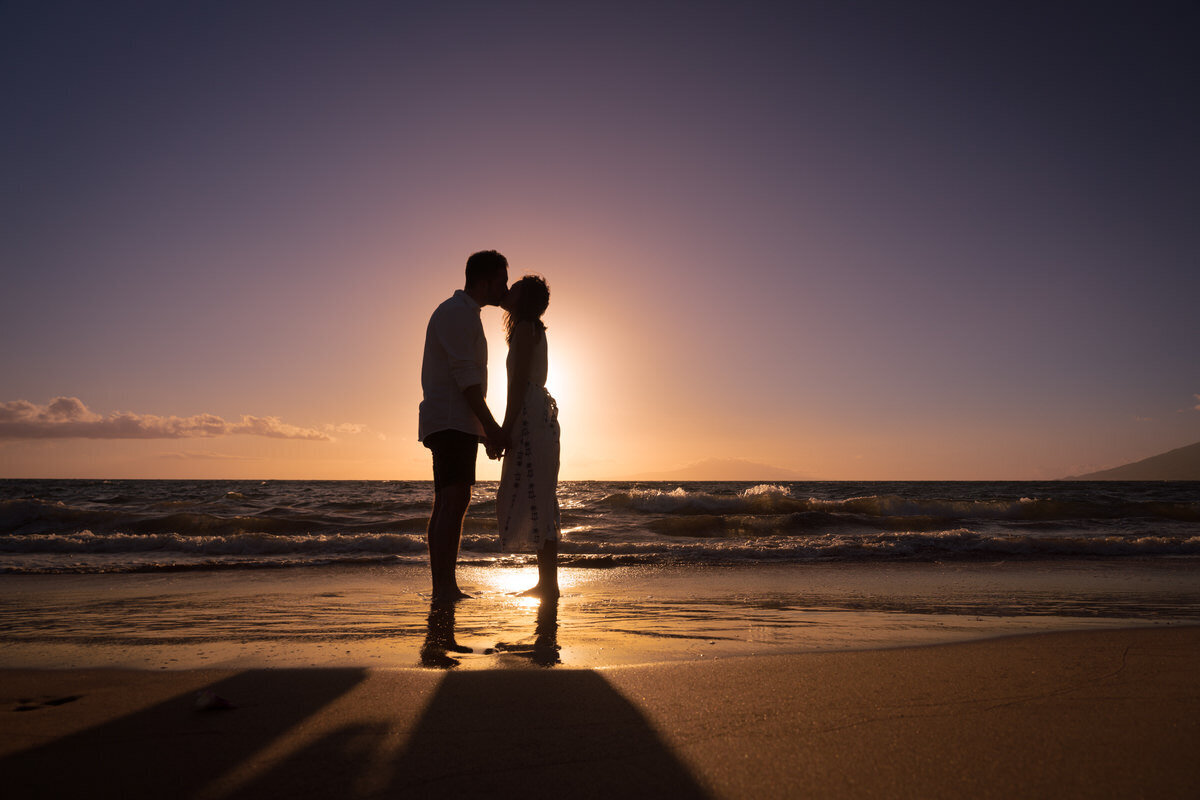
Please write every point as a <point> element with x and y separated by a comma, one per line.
<point>458,332</point>
<point>495,437</point>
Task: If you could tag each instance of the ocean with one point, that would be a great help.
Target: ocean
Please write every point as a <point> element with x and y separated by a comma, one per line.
<point>176,574</point>
<point>105,526</point>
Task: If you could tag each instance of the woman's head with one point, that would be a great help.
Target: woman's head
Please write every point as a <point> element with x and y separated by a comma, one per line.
<point>527,299</point>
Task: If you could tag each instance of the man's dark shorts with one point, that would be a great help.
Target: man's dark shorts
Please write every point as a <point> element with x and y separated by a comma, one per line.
<point>454,454</point>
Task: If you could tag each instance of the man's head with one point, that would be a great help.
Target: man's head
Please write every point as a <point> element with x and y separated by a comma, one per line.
<point>487,277</point>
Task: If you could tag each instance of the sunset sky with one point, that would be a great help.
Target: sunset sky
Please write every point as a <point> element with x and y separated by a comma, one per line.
<point>852,240</point>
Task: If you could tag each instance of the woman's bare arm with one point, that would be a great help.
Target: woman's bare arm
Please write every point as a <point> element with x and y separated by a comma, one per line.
<point>520,349</point>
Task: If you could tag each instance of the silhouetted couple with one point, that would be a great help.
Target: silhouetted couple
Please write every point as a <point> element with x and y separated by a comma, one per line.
<point>454,419</point>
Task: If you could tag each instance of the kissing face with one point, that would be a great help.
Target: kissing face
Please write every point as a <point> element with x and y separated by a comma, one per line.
<point>499,287</point>
<point>511,297</point>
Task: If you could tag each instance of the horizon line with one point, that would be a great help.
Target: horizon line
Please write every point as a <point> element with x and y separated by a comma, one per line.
<point>1069,478</point>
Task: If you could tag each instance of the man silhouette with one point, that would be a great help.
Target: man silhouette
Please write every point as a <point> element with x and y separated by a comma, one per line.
<point>454,416</point>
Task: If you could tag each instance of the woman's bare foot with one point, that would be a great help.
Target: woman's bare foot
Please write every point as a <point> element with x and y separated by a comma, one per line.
<point>546,593</point>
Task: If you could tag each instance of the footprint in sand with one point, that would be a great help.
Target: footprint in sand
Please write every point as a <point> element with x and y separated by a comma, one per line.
<point>29,704</point>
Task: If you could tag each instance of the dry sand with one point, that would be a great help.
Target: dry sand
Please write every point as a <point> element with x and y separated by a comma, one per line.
<point>1088,714</point>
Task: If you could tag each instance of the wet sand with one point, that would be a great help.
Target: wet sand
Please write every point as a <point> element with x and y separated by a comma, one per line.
<point>315,617</point>
<point>1112,713</point>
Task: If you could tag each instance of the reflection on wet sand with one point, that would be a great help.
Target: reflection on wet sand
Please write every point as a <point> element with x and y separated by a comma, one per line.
<point>544,651</point>
<point>441,647</point>
<point>439,637</point>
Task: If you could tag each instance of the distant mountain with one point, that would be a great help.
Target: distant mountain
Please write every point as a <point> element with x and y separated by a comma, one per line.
<point>726,469</point>
<point>1176,465</point>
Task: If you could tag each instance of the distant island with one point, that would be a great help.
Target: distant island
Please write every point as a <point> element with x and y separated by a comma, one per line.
<point>1182,464</point>
<point>726,469</point>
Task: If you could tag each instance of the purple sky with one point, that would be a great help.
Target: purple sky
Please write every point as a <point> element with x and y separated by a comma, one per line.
<point>855,240</point>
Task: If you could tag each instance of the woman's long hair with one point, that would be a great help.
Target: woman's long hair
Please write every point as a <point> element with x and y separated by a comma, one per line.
<point>535,297</point>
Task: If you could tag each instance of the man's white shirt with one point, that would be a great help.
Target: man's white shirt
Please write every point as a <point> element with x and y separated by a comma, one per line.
<point>455,359</point>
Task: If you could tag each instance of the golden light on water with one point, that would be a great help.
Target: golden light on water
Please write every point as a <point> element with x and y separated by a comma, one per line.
<point>514,580</point>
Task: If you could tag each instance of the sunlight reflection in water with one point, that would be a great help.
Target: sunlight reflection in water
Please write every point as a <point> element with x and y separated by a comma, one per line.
<point>380,616</point>
<point>513,580</point>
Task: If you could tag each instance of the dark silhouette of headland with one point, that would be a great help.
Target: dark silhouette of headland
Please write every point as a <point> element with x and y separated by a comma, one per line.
<point>1181,464</point>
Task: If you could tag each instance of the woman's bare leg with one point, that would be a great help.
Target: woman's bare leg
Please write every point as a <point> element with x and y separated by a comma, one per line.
<point>547,585</point>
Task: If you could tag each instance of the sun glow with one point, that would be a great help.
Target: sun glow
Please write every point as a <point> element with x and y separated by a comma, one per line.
<point>574,379</point>
<point>579,379</point>
<point>559,382</point>
<point>512,581</point>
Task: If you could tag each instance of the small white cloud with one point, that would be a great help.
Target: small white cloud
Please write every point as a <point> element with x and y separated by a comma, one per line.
<point>274,428</point>
<point>346,427</point>
<point>207,455</point>
<point>69,418</point>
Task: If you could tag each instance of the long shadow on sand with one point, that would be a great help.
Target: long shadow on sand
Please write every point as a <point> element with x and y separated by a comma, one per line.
<point>526,733</point>
<point>171,749</point>
<point>535,732</point>
<point>529,732</point>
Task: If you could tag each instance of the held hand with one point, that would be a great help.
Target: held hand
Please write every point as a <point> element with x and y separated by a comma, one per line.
<point>495,443</point>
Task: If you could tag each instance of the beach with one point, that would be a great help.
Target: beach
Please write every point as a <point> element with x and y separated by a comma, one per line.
<point>224,639</point>
<point>831,358</point>
<point>766,681</point>
<point>1112,713</point>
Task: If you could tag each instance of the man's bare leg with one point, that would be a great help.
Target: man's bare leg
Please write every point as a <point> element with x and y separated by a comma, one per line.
<point>444,535</point>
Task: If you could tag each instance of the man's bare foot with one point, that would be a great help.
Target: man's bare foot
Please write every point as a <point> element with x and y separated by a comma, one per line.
<point>546,593</point>
<point>451,595</point>
<point>438,659</point>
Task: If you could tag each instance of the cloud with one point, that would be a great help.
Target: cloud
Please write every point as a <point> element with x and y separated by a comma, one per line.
<point>345,427</point>
<point>207,455</point>
<point>1198,404</point>
<point>353,429</point>
<point>69,418</point>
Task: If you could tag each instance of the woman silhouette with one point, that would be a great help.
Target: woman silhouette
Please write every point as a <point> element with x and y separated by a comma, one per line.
<point>527,500</point>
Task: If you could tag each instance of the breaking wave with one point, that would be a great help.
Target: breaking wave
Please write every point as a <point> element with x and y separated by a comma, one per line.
<point>65,526</point>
